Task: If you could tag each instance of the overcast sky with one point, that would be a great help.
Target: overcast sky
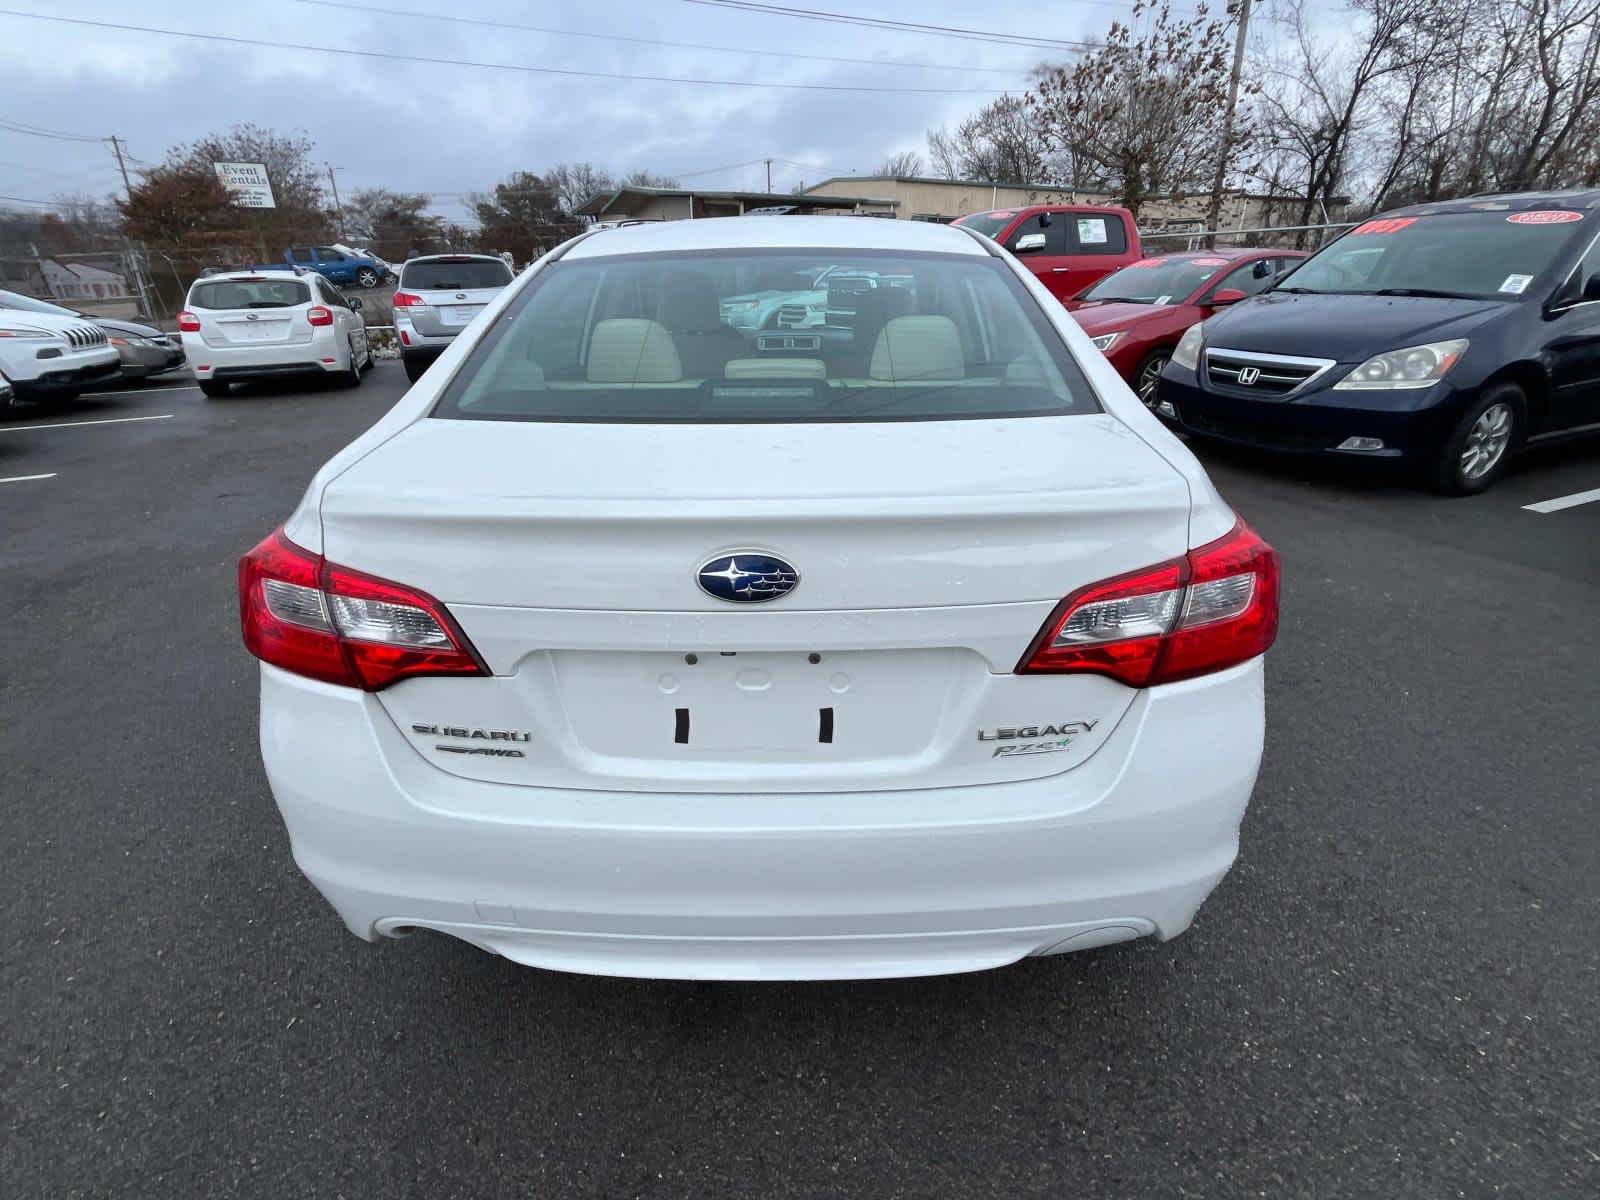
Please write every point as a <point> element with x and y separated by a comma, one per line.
<point>448,129</point>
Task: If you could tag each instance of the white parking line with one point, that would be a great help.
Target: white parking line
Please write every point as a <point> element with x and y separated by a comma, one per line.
<point>26,478</point>
<point>75,424</point>
<point>1560,502</point>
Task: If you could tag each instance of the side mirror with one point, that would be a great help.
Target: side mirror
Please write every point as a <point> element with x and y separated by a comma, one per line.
<point>1028,243</point>
<point>355,303</point>
<point>1591,290</point>
<point>1226,296</point>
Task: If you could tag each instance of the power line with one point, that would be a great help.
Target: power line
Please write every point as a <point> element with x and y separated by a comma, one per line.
<point>39,131</point>
<point>975,35</point>
<point>639,41</point>
<point>460,62</point>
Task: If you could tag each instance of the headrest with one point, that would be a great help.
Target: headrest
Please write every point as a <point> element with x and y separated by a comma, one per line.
<point>918,347</point>
<point>632,350</point>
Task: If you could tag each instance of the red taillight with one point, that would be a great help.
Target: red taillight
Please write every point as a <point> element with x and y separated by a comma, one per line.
<point>1213,608</point>
<point>317,315</point>
<point>406,300</point>
<point>328,622</point>
<point>188,322</point>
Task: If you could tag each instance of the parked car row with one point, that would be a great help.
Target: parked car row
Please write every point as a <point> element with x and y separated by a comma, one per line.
<point>1444,337</point>
<point>48,351</point>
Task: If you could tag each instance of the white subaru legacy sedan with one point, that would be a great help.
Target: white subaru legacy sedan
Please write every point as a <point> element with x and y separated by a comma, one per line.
<point>633,643</point>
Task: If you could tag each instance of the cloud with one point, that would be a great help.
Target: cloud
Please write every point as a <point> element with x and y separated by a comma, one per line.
<point>447,129</point>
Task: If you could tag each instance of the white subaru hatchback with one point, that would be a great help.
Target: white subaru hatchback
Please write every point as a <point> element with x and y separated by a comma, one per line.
<point>242,326</point>
<point>632,643</point>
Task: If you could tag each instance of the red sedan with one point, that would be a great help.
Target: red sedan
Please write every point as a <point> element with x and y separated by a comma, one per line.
<point>1136,315</point>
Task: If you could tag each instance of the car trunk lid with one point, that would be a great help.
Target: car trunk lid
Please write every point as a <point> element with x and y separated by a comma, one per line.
<point>928,554</point>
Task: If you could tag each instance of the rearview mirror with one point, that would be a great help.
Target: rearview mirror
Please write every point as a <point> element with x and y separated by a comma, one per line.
<point>1262,269</point>
<point>1029,242</point>
<point>1227,296</point>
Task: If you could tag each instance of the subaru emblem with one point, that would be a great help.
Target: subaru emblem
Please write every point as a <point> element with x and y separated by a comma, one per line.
<point>747,577</point>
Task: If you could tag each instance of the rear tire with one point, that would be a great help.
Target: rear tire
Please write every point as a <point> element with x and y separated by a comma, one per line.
<point>414,368</point>
<point>214,389</point>
<point>1479,447</point>
<point>350,377</point>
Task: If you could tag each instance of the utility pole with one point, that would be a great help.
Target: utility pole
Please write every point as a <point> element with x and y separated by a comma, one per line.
<point>1214,213</point>
<point>337,207</point>
<point>146,307</point>
<point>769,176</point>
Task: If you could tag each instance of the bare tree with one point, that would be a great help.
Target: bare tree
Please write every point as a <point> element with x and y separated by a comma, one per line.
<point>1000,143</point>
<point>577,183</point>
<point>906,164</point>
<point>1142,115</point>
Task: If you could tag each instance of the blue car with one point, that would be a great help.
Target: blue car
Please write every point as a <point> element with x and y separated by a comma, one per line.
<point>1444,336</point>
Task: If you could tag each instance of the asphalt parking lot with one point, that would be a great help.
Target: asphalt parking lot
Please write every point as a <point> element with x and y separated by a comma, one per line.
<point>1392,995</point>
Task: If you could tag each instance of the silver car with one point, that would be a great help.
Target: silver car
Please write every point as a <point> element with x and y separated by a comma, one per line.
<point>438,297</point>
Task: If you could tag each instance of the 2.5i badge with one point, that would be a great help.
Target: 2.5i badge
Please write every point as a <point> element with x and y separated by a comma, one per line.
<point>1034,739</point>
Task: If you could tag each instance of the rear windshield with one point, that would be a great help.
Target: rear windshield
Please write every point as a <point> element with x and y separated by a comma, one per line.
<point>1479,255</point>
<point>249,293</point>
<point>442,275</point>
<point>1157,280</point>
<point>742,336</point>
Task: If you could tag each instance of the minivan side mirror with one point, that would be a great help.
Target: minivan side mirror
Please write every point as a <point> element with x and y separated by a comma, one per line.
<point>1028,243</point>
<point>1226,296</point>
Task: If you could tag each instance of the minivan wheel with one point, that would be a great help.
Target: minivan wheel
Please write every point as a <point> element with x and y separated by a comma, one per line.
<point>1478,449</point>
<point>367,277</point>
<point>214,389</point>
<point>1147,380</point>
<point>414,367</point>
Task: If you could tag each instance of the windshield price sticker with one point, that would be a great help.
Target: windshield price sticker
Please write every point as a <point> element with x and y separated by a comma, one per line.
<point>1163,299</point>
<point>1545,216</point>
<point>1516,284</point>
<point>1091,231</point>
<point>1388,225</point>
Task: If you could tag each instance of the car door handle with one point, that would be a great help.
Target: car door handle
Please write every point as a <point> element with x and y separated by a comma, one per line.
<point>1053,269</point>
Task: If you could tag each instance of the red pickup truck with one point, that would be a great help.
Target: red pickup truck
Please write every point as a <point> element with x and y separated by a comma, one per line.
<point>1068,246</point>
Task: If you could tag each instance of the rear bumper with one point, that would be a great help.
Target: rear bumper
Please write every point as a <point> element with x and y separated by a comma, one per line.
<point>1410,424</point>
<point>416,342</point>
<point>264,362</point>
<point>769,886</point>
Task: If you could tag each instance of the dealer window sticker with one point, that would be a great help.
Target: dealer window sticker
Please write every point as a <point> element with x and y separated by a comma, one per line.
<point>1545,216</point>
<point>1092,231</point>
<point>1387,225</point>
<point>1516,284</point>
<point>1163,299</point>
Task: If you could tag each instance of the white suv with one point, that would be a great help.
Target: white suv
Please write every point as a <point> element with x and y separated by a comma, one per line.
<point>246,325</point>
<point>631,643</point>
<point>47,356</point>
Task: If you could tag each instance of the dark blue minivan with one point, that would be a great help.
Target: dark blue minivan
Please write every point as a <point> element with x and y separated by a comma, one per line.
<point>1445,335</point>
